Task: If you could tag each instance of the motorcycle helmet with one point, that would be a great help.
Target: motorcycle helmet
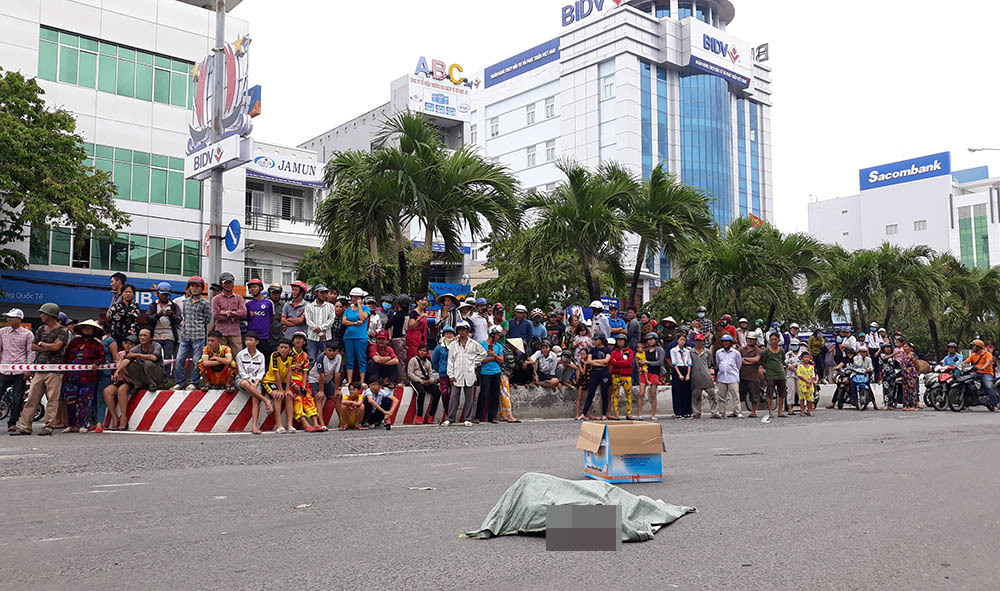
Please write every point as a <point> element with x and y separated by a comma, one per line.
<point>978,343</point>
<point>849,350</point>
<point>953,344</point>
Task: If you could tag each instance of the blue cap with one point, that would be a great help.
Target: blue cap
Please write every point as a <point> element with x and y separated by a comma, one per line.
<point>727,337</point>
<point>481,302</point>
<point>163,287</point>
<point>448,329</point>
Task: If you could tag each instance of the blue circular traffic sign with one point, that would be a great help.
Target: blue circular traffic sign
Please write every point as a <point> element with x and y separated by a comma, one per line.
<point>233,235</point>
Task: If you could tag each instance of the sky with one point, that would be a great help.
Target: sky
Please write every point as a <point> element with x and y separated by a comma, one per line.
<point>856,83</point>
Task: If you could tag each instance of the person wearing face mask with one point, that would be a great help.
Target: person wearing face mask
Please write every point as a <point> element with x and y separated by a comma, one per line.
<point>874,344</point>
<point>439,361</point>
<point>707,327</point>
<point>817,349</point>
<point>792,360</point>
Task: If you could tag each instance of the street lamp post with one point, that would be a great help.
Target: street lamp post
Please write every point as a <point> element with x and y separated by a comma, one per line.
<point>218,96</point>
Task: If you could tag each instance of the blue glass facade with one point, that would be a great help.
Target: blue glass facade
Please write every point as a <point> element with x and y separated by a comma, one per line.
<point>684,10</point>
<point>706,141</point>
<point>662,10</point>
<point>662,134</point>
<point>754,158</point>
<point>646,100</point>
<point>741,146</point>
<point>701,14</point>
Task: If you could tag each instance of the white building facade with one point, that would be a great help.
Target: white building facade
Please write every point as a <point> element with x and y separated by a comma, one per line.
<point>919,201</point>
<point>640,83</point>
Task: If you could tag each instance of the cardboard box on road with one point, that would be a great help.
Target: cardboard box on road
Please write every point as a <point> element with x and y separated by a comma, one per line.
<point>622,451</point>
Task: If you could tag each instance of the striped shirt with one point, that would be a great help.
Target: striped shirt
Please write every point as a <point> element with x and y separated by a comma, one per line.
<point>15,346</point>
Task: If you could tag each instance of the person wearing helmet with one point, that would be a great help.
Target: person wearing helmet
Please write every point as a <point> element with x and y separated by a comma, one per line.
<point>464,354</point>
<point>846,363</point>
<point>165,317</point>
<point>760,333</point>
<point>49,345</point>
<point>600,320</point>
<point>228,311</point>
<point>554,328</point>
<point>538,332</point>
<point>520,326</point>
<point>479,320</point>
<point>981,360</point>
<point>355,321</point>
<point>742,333</point>
<point>293,313</point>
<point>320,315</point>
<point>420,374</point>
<point>197,313</point>
<point>620,366</point>
<point>728,362</point>
<point>954,357</point>
<point>726,324</point>
<point>702,381</point>
<point>792,359</point>
<point>498,318</point>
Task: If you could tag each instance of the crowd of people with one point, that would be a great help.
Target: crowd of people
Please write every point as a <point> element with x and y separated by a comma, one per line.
<point>292,356</point>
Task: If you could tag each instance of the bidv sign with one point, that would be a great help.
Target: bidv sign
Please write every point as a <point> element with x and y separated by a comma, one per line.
<point>724,49</point>
<point>439,71</point>
<point>581,9</point>
<point>905,171</point>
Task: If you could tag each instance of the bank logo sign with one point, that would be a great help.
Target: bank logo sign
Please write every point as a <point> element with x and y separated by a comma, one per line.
<point>525,61</point>
<point>714,52</point>
<point>581,9</point>
<point>905,171</point>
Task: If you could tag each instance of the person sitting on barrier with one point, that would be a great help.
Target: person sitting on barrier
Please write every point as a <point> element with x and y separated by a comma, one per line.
<point>278,385</point>
<point>379,405</point>
<point>383,362</point>
<point>140,369</point>
<point>545,363</point>
<point>324,379</point>
<point>216,365</point>
<point>250,363</point>
<point>304,405</point>
<point>420,373</point>
<point>352,408</point>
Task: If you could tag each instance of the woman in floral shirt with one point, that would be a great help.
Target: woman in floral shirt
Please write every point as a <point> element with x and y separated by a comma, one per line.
<point>123,316</point>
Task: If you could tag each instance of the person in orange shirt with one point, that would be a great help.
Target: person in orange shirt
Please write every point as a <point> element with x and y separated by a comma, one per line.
<point>304,403</point>
<point>982,360</point>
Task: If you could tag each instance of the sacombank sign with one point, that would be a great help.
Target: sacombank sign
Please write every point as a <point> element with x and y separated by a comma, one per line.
<point>581,9</point>
<point>905,171</point>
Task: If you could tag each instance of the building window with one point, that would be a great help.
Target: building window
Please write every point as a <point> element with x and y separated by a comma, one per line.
<point>473,134</point>
<point>684,10</point>
<point>145,177</point>
<point>707,144</point>
<point>608,87</point>
<point>550,107</point>
<point>258,269</point>
<point>892,229</point>
<point>287,276</point>
<point>550,150</point>
<point>531,156</point>
<point>288,203</point>
<point>494,127</point>
<point>662,9</point>
<point>131,253</point>
<point>530,114</point>
<point>112,68</point>
<point>919,225</point>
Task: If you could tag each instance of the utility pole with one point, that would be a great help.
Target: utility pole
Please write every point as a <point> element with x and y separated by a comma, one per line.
<point>218,104</point>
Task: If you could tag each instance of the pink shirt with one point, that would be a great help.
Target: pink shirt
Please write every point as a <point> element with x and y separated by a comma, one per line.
<point>15,346</point>
<point>229,327</point>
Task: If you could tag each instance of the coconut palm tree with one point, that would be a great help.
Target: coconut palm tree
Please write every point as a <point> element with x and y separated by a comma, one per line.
<point>664,215</point>
<point>899,271</point>
<point>844,278</point>
<point>446,191</point>
<point>584,214</point>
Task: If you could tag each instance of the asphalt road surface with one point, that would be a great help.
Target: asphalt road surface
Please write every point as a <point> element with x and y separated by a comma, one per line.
<point>846,500</point>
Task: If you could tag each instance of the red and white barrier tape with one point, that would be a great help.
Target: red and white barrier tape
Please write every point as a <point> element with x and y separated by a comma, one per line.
<point>53,367</point>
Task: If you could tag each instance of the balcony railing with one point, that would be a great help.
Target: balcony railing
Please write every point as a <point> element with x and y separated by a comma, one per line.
<point>271,223</point>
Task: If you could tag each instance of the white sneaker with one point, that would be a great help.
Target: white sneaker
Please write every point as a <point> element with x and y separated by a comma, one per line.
<point>468,423</point>
<point>446,423</point>
<point>281,430</point>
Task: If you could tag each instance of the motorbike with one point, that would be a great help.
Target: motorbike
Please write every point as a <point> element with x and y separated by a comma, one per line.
<point>966,392</point>
<point>7,403</point>
<point>892,384</point>
<point>936,387</point>
<point>845,378</point>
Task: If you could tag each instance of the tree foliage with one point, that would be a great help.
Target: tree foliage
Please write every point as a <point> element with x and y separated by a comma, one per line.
<point>43,177</point>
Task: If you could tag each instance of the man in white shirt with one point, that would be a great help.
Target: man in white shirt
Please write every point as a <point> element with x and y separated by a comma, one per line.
<point>601,321</point>
<point>319,318</point>
<point>545,361</point>
<point>464,355</point>
<point>251,366</point>
<point>728,362</point>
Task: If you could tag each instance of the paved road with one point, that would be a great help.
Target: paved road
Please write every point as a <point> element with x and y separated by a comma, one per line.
<point>846,500</point>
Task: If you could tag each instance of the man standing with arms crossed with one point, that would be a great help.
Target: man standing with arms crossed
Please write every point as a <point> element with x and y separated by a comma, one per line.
<point>728,362</point>
<point>228,309</point>
<point>194,330</point>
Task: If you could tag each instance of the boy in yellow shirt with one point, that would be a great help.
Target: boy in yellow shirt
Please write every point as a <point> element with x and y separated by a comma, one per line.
<point>352,408</point>
<point>304,405</point>
<point>278,385</point>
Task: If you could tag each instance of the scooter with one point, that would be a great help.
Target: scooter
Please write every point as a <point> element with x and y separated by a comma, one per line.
<point>845,378</point>
<point>966,392</point>
<point>862,389</point>
<point>7,403</point>
<point>892,383</point>
<point>936,387</point>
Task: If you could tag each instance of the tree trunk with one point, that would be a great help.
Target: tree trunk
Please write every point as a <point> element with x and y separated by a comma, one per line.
<point>376,268</point>
<point>890,309</point>
<point>593,283</point>
<point>854,315</point>
<point>738,297</point>
<point>633,291</point>
<point>404,278</point>
<point>770,315</point>
<point>932,326</point>
<point>425,271</point>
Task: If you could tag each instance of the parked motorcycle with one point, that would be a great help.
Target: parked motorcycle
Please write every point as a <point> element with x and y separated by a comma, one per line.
<point>7,403</point>
<point>936,386</point>
<point>845,378</point>
<point>892,383</point>
<point>966,392</point>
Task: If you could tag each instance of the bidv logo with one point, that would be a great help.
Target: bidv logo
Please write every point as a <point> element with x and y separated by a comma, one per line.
<point>582,9</point>
<point>208,157</point>
<point>724,49</point>
<point>439,71</point>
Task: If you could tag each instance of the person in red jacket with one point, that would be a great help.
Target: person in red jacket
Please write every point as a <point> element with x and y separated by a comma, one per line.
<point>621,362</point>
<point>727,325</point>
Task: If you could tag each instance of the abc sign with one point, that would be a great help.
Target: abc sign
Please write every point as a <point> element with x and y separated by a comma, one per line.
<point>439,71</point>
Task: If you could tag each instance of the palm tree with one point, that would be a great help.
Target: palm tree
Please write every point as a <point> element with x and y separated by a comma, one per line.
<point>359,211</point>
<point>585,214</point>
<point>665,214</point>
<point>844,277</point>
<point>899,271</point>
<point>447,191</point>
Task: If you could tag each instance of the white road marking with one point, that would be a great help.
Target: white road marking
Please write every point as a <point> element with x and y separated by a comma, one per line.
<point>122,484</point>
<point>384,453</point>
<point>57,539</point>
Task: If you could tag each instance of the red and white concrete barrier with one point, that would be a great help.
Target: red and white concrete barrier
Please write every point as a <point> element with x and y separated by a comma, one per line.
<point>215,411</point>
